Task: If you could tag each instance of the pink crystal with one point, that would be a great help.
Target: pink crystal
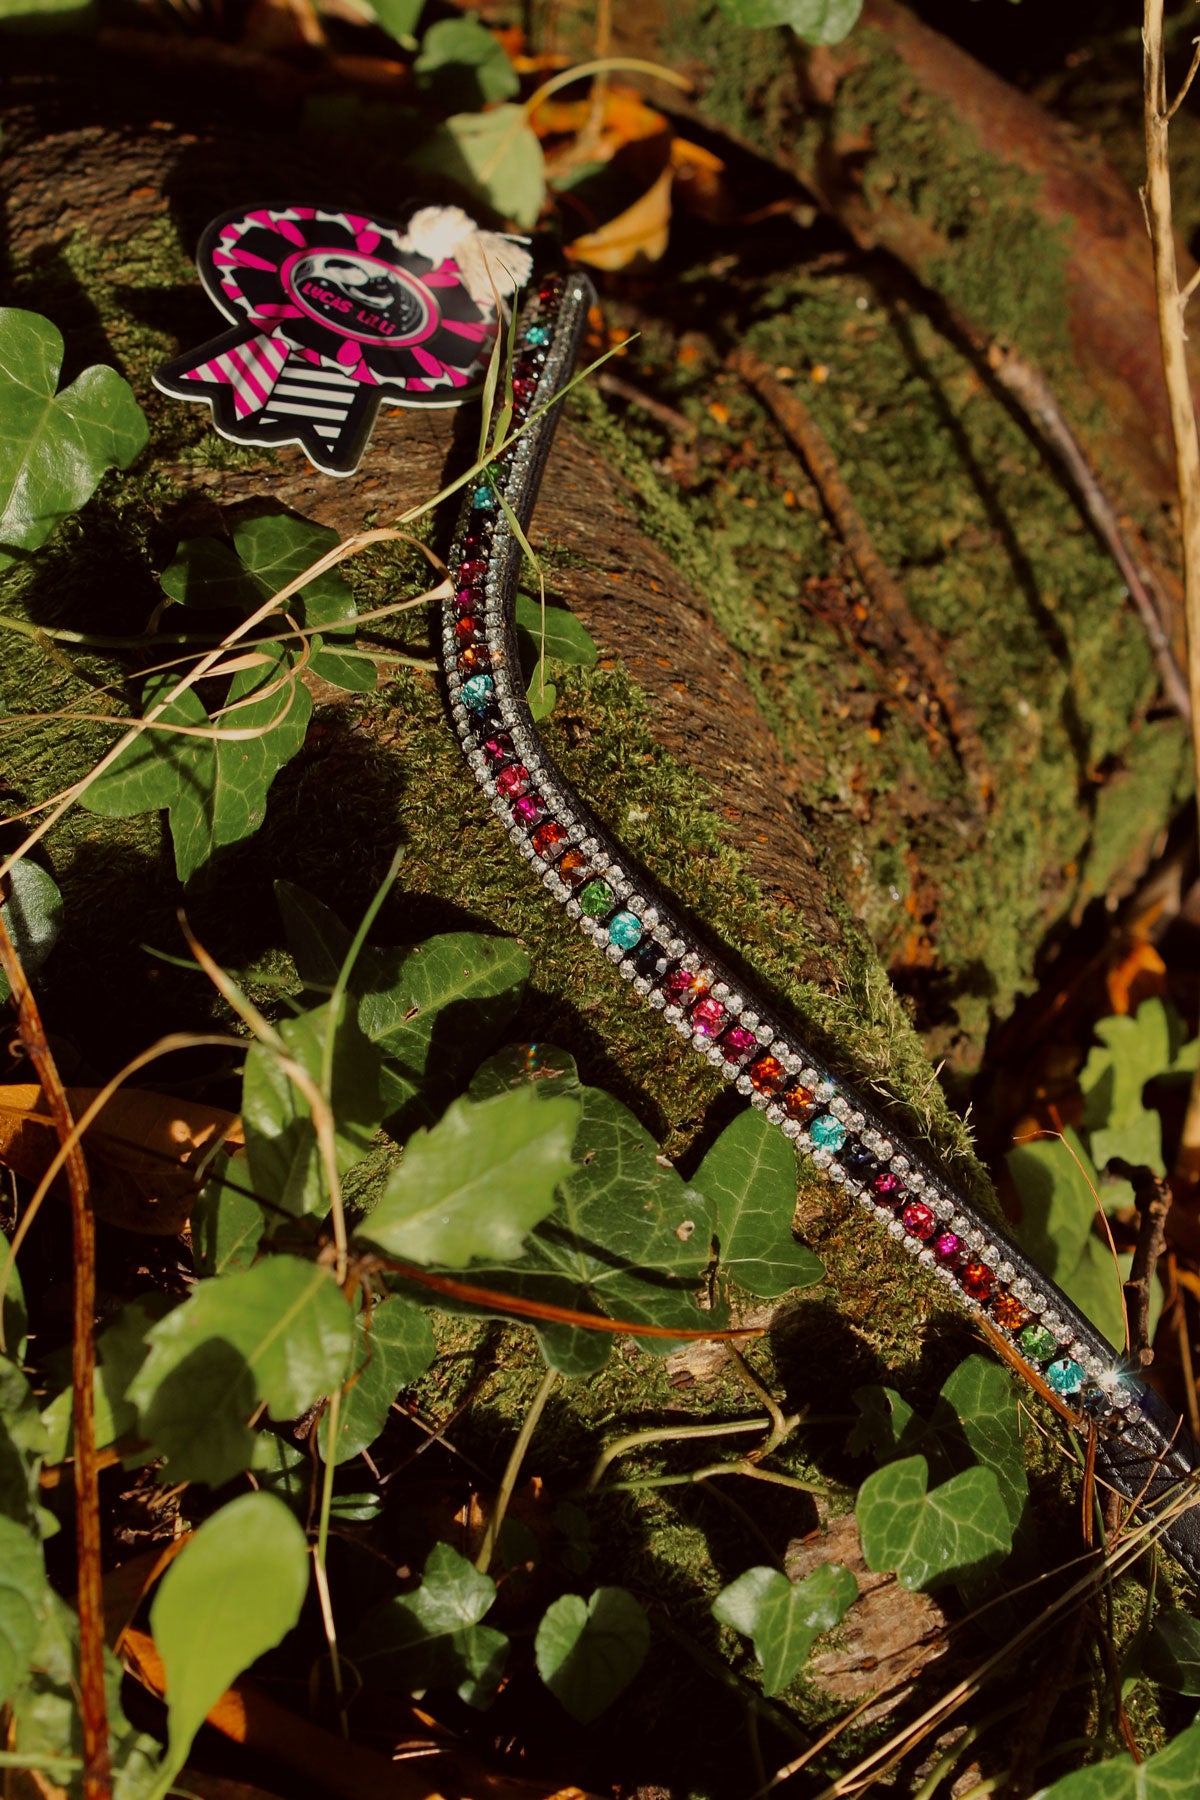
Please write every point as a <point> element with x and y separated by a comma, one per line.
<point>528,809</point>
<point>707,1017</point>
<point>738,1041</point>
<point>948,1245</point>
<point>512,781</point>
<point>886,1185</point>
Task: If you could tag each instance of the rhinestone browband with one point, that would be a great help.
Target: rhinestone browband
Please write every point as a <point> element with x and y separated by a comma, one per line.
<point>1142,1448</point>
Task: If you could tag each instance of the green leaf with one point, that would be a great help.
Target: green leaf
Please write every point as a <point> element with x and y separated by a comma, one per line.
<point>476,1182</point>
<point>463,68</point>
<point>121,1350</point>
<point>433,1010</point>
<point>395,1346</point>
<point>960,1528</point>
<point>1133,1049</point>
<point>233,1592</point>
<point>276,549</point>
<point>433,1637</point>
<point>214,790</point>
<point>22,1602</point>
<point>589,1651</point>
<point>1170,1774</point>
<point>629,1239</point>
<point>750,1177</point>
<point>979,1398</point>
<point>560,635</point>
<point>785,1618</point>
<point>282,1153</point>
<point>816,21</point>
<point>55,447</point>
<point>33,914</point>
<point>22,1444</point>
<point>541,693</point>
<point>398,18</point>
<point>1173,1653</point>
<point>495,156</point>
<point>281,1332</point>
<point>45,1715</point>
<point>227,1221</point>
<point>1056,1182</point>
<point>206,572</point>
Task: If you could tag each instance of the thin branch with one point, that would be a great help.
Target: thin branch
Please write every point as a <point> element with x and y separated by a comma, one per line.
<point>512,1469</point>
<point>93,1707</point>
<point>1188,79</point>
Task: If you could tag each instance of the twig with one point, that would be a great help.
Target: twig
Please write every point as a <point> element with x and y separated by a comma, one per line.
<point>1173,345</point>
<point>1188,79</point>
<point>805,434</point>
<point>1152,1197</point>
<point>680,426</point>
<point>97,1766</point>
<point>665,1434</point>
<point>513,1468</point>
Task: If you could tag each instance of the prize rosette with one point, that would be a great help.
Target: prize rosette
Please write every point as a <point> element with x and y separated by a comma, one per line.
<point>336,314</point>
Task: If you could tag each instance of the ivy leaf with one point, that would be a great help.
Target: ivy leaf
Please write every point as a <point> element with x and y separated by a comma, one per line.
<point>282,1154</point>
<point>281,1332</point>
<point>227,1221</point>
<point>816,21</point>
<point>541,693</point>
<point>477,1181</point>
<point>462,67</point>
<point>22,1443</point>
<point>978,1396</point>
<point>215,790</point>
<point>233,1592</point>
<point>1170,1774</point>
<point>560,635</point>
<point>960,1528</point>
<point>1173,1653</point>
<point>433,1010</point>
<point>33,914</point>
<point>785,1618</point>
<point>589,1651</point>
<point>629,1239</point>
<point>22,1602</point>
<point>1055,1180</point>
<point>395,1346</point>
<point>494,155</point>
<point>398,18</point>
<point>433,1637</point>
<point>55,447</point>
<point>749,1175</point>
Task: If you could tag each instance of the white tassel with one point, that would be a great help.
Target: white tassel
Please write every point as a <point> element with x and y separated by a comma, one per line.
<point>494,265</point>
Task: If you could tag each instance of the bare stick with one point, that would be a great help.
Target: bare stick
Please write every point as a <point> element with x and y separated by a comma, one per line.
<point>1152,1197</point>
<point>97,1768</point>
<point>1173,345</point>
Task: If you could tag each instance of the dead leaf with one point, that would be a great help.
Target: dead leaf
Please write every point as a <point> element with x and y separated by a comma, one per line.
<point>700,182</point>
<point>1140,974</point>
<point>146,1152</point>
<point>638,235</point>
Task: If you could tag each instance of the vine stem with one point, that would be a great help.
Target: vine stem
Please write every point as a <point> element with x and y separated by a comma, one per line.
<point>513,1468</point>
<point>320,1551</point>
<point>93,1707</point>
<point>1170,303</point>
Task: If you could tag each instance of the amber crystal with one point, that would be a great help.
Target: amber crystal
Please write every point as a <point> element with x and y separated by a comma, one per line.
<point>1008,1311</point>
<point>572,868</point>
<point>798,1101</point>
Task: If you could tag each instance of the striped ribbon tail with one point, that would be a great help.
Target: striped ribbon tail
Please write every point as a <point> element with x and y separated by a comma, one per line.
<point>251,370</point>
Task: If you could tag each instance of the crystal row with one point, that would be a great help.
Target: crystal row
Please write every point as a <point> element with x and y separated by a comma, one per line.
<point>719,1016</point>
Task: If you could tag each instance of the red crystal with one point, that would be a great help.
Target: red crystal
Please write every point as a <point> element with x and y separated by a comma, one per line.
<point>798,1101</point>
<point>977,1280</point>
<point>887,1186</point>
<point>471,572</point>
<point>573,868</point>
<point>708,1016</point>
<point>529,808</point>
<point>768,1075</point>
<point>524,389</point>
<point>498,749</point>
<point>918,1220</point>
<point>512,781</point>
<point>738,1042</point>
<point>681,987</point>
<point>548,837</point>
<point>467,630</point>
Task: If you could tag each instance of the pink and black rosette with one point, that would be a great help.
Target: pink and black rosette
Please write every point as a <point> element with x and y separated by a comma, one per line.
<point>337,313</point>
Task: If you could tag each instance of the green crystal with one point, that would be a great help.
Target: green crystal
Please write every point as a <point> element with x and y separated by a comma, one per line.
<point>1037,1343</point>
<point>596,899</point>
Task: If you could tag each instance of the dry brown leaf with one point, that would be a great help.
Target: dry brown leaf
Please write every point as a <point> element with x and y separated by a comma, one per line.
<point>638,235</point>
<point>701,187</point>
<point>145,1151</point>
<point>1139,974</point>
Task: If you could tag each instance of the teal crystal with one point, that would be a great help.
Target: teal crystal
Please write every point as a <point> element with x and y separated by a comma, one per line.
<point>478,692</point>
<point>625,929</point>
<point>1065,1376</point>
<point>827,1133</point>
<point>537,335</point>
<point>484,500</point>
<point>596,899</point>
<point>1037,1343</point>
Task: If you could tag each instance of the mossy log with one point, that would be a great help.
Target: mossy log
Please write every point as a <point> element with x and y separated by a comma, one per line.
<point>749,730</point>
